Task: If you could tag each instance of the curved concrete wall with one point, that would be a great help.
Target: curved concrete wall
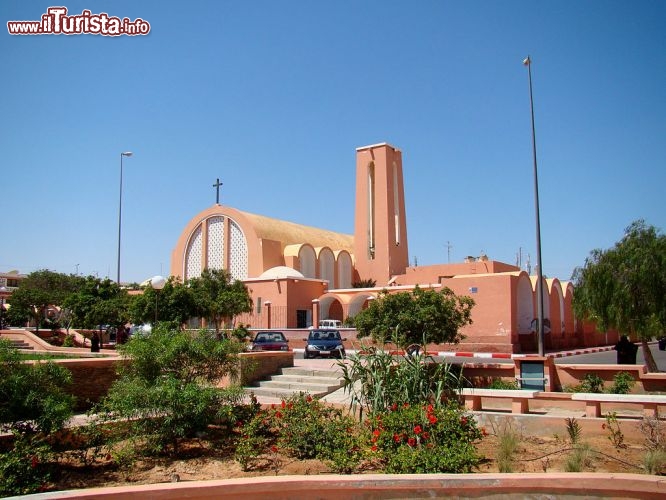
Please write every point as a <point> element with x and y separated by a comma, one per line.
<point>379,486</point>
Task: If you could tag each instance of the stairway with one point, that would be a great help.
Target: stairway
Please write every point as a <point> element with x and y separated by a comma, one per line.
<point>316,382</point>
<point>21,345</point>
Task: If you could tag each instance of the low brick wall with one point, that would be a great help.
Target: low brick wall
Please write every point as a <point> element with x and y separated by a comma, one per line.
<point>91,378</point>
<point>257,366</point>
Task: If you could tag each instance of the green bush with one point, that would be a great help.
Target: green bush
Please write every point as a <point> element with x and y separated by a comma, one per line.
<point>32,396</point>
<point>301,427</point>
<point>375,379</point>
<point>499,383</point>
<point>25,468</point>
<point>168,392</point>
<point>411,439</point>
<point>622,383</point>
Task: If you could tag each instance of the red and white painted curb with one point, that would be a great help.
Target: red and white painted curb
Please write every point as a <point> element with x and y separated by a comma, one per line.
<point>498,355</point>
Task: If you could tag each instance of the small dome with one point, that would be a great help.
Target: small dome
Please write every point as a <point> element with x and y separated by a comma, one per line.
<point>280,272</point>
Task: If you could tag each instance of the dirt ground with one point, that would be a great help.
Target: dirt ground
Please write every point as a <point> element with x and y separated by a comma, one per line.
<point>200,462</point>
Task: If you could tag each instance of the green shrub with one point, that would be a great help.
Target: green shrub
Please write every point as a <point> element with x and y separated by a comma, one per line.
<point>301,427</point>
<point>578,459</point>
<point>168,392</point>
<point>410,439</point>
<point>32,396</point>
<point>375,379</point>
<point>508,438</point>
<point>574,430</point>
<point>622,383</point>
<point>499,383</point>
<point>25,468</point>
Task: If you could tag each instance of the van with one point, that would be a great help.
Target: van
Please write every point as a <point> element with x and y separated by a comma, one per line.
<point>332,324</point>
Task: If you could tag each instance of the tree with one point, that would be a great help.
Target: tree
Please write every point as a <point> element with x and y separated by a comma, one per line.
<point>174,303</point>
<point>168,389</point>
<point>218,297</point>
<point>98,302</point>
<point>420,316</point>
<point>39,290</point>
<point>624,287</point>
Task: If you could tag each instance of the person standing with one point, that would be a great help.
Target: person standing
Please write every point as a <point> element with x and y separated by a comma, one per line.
<point>626,351</point>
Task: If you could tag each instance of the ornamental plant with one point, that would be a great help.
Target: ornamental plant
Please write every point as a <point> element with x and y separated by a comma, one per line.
<point>301,427</point>
<point>410,439</point>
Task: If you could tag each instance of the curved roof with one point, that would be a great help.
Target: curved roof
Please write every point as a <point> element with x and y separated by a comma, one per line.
<point>289,233</point>
<point>280,272</point>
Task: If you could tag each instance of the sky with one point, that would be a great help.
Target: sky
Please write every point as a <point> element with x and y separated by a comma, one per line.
<point>273,98</point>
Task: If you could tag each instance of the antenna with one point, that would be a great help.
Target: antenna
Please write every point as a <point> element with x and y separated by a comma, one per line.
<point>448,250</point>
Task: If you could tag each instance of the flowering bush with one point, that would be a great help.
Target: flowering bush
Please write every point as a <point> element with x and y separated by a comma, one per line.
<point>301,427</point>
<point>424,439</point>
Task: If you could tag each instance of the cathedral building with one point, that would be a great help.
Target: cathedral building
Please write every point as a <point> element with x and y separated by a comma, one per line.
<point>298,275</point>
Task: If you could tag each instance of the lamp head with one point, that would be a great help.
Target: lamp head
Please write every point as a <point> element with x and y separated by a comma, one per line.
<point>127,153</point>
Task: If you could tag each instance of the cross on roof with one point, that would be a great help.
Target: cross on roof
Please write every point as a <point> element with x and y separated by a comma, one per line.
<point>217,195</point>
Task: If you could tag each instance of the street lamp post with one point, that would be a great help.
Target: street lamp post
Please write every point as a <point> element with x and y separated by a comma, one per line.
<point>539,287</point>
<point>120,209</point>
<point>157,283</point>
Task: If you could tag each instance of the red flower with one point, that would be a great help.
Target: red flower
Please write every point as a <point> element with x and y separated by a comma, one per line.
<point>483,431</point>
<point>418,430</point>
<point>290,405</point>
<point>35,461</point>
<point>394,407</point>
<point>274,449</point>
<point>411,442</point>
<point>397,438</point>
<point>429,409</point>
<point>239,424</point>
<point>309,399</point>
<point>374,448</point>
<point>432,419</point>
<point>406,405</point>
<point>272,406</point>
<point>376,432</point>
<point>278,414</point>
<point>463,421</point>
<point>108,456</point>
<point>284,405</point>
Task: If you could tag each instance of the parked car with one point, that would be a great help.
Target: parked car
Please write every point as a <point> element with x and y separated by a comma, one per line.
<point>324,343</point>
<point>269,341</point>
<point>333,324</point>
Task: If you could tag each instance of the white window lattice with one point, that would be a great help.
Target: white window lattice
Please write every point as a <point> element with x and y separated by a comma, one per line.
<point>238,252</point>
<point>344,270</point>
<point>215,250</point>
<point>193,255</point>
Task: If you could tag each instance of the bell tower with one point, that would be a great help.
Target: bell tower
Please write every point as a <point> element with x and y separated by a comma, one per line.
<point>380,228</point>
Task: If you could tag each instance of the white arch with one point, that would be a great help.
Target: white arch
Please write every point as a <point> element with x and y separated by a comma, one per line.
<point>327,266</point>
<point>356,304</point>
<point>524,304</point>
<point>344,269</point>
<point>307,260</point>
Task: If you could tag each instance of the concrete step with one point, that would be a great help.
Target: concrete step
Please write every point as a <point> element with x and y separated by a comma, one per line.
<point>22,345</point>
<point>297,379</point>
<point>279,393</point>
<point>311,372</point>
<point>276,383</point>
<point>316,382</point>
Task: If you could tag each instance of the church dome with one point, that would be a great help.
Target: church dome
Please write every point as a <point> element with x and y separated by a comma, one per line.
<point>280,272</point>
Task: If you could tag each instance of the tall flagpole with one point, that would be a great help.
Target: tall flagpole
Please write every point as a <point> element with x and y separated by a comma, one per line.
<point>539,287</point>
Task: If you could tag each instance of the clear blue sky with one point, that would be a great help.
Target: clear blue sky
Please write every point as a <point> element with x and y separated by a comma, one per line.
<point>274,97</point>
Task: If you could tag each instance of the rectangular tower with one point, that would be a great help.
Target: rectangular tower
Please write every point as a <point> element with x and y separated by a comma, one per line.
<point>380,229</point>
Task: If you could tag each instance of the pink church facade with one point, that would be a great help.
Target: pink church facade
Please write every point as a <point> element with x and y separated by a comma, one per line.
<point>299,274</point>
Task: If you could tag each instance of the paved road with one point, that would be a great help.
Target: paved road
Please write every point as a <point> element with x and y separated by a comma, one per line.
<point>610,357</point>
<point>598,358</point>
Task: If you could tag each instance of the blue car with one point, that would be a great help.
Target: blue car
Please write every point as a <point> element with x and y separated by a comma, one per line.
<point>324,343</point>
